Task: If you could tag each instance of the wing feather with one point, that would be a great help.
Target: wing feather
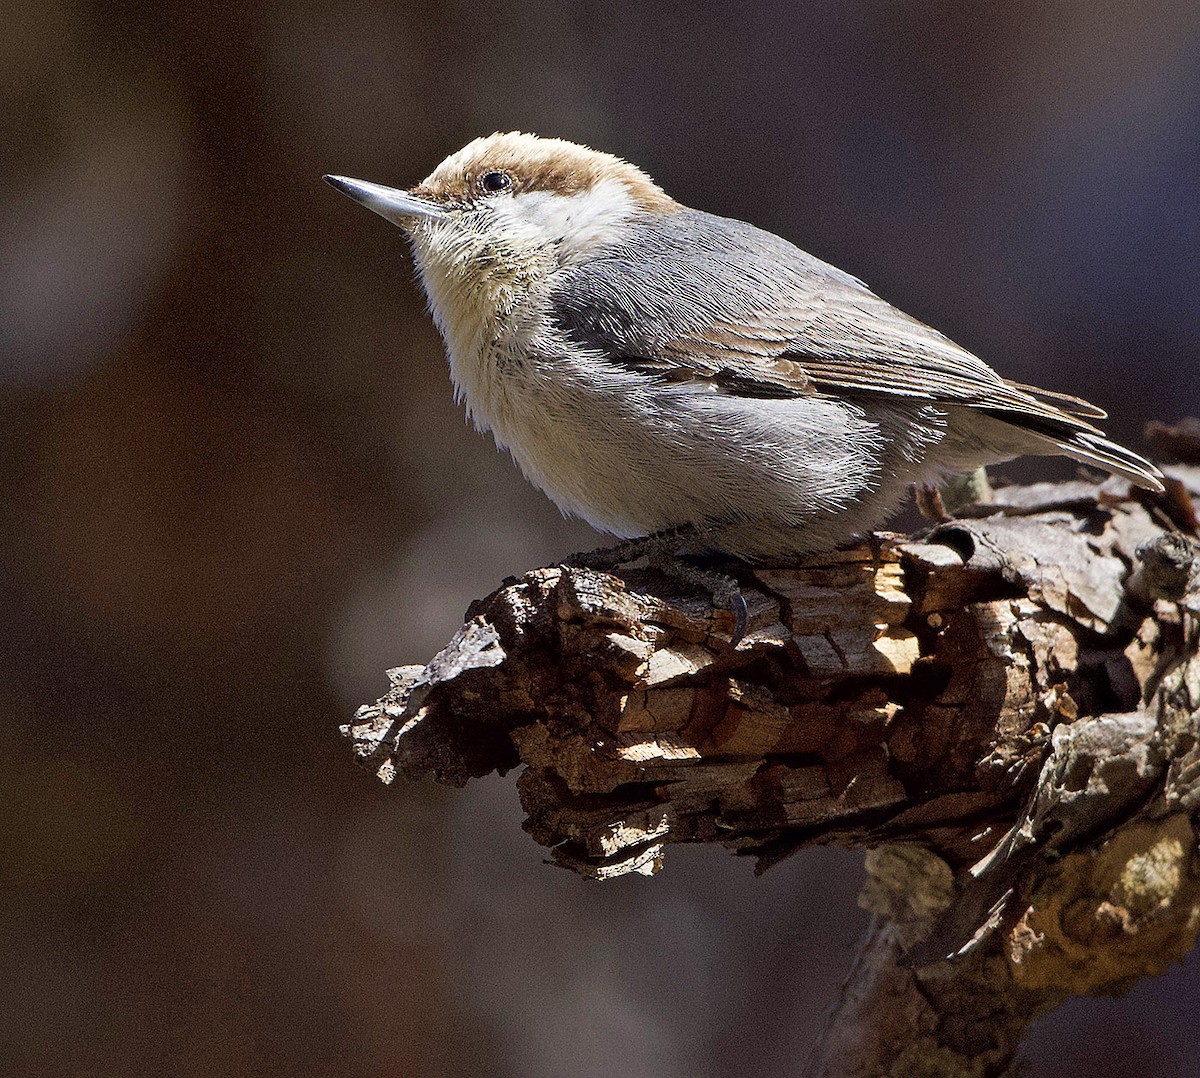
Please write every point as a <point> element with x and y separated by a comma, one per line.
<point>700,298</point>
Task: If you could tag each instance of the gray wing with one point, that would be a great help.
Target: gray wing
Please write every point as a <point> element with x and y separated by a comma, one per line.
<point>695,297</point>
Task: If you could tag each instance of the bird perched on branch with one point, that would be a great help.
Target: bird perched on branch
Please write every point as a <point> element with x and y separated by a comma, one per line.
<point>658,369</point>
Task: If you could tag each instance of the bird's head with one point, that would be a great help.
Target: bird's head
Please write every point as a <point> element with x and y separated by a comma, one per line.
<point>493,221</point>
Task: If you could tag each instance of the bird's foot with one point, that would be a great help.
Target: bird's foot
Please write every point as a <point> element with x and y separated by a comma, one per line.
<point>660,551</point>
<point>930,504</point>
<point>630,550</point>
<point>722,590</point>
<point>954,495</point>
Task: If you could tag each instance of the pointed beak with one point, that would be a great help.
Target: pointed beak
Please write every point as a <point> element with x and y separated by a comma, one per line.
<point>391,204</point>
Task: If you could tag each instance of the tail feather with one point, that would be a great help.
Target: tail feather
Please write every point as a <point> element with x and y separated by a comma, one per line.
<point>1091,448</point>
<point>1062,421</point>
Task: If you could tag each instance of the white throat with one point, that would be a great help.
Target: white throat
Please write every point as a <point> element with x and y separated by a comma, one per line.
<point>486,271</point>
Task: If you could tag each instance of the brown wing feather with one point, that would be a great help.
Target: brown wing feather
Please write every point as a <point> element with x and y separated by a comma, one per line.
<point>852,340</point>
<point>1076,406</point>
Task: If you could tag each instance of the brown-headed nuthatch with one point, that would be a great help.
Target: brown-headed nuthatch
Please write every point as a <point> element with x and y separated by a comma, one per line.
<point>655,368</point>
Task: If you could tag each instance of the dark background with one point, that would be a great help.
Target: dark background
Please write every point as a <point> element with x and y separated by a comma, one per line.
<point>236,488</point>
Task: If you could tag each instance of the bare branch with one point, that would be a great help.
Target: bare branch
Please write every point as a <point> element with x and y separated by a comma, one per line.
<point>1004,710</point>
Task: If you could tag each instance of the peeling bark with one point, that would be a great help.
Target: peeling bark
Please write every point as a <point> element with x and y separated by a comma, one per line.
<point>1004,711</point>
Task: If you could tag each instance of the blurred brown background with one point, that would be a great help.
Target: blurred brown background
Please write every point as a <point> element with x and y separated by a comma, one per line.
<point>236,489</point>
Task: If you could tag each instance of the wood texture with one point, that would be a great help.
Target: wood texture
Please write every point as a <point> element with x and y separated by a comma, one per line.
<point>1003,711</point>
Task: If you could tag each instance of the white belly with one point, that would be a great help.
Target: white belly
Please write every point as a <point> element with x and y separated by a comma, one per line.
<point>632,456</point>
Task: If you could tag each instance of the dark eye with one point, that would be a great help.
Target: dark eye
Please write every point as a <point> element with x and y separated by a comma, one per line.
<point>492,182</point>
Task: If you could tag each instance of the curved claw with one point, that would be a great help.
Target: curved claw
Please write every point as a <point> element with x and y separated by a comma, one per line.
<point>727,595</point>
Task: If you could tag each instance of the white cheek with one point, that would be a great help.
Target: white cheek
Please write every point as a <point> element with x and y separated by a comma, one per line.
<point>576,225</point>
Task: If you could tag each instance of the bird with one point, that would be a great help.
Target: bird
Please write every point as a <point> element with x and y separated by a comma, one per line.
<point>661,371</point>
